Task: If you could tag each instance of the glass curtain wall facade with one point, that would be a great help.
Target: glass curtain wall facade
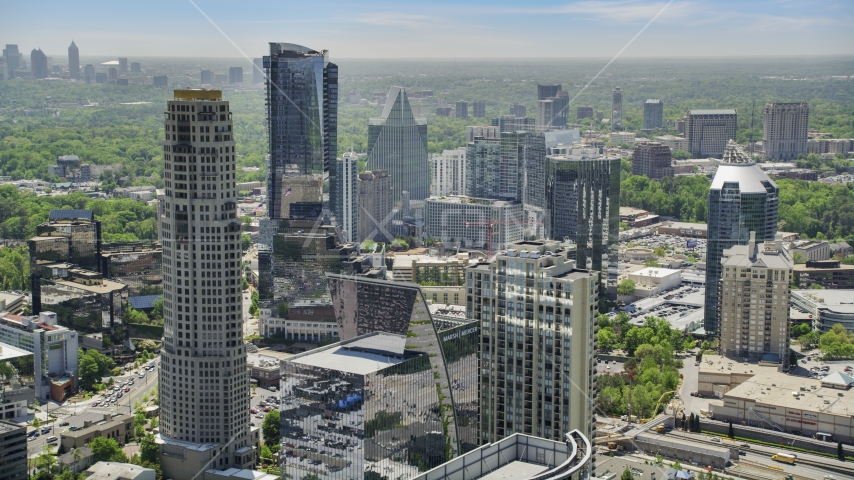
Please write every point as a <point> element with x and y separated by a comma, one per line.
<point>742,199</point>
<point>364,305</point>
<point>138,266</point>
<point>583,206</point>
<point>302,116</point>
<point>397,142</point>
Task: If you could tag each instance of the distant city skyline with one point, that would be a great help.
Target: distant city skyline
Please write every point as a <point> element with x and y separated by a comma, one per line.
<point>385,30</point>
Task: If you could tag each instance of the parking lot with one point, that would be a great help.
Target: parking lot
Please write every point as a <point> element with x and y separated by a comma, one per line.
<point>264,401</point>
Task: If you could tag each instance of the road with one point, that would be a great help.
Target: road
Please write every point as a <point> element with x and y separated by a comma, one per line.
<point>761,455</point>
<point>78,413</point>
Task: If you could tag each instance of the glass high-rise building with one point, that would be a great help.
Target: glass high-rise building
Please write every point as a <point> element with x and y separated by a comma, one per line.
<point>302,117</point>
<point>347,197</point>
<point>653,114</point>
<point>397,142</point>
<point>204,380</point>
<point>742,199</point>
<point>74,61</point>
<point>617,109</point>
<point>583,206</point>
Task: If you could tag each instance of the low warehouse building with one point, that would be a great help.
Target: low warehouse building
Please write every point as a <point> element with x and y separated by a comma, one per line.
<point>683,449</point>
<point>818,408</point>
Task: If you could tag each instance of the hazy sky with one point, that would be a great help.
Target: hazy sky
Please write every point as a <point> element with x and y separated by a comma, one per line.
<point>432,28</point>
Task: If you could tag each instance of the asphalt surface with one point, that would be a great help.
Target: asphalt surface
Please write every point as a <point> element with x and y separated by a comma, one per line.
<point>261,395</point>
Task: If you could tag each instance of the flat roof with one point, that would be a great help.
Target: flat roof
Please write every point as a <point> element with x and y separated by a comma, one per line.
<point>116,470</point>
<point>6,427</point>
<point>771,387</point>
<point>724,111</point>
<point>353,356</point>
<point>655,272</point>
<point>106,286</point>
<point>8,352</point>
<point>748,176</point>
<point>721,364</point>
<point>514,470</point>
<point>839,301</point>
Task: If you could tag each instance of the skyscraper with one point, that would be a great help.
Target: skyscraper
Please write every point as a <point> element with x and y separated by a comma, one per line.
<point>585,111</point>
<point>258,70</point>
<point>552,106</point>
<point>653,114</point>
<point>89,73</point>
<point>13,60</point>
<point>742,199</point>
<point>518,110</point>
<point>583,206</point>
<point>751,328</point>
<point>539,339</point>
<point>204,382</point>
<point>397,143</point>
<point>74,61</point>
<point>478,109</point>
<point>302,116</point>
<point>617,109</point>
<point>448,172</point>
<point>135,67</point>
<point>784,130</point>
<point>347,184</point>
<point>462,109</point>
<point>207,77</point>
<point>653,160</point>
<point>375,202</point>
<point>38,63</point>
<point>123,65</point>
<point>708,131</point>
<point>235,74</point>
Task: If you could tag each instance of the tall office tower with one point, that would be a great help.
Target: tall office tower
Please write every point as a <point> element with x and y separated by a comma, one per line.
<point>653,114</point>
<point>518,110</point>
<point>784,131</point>
<point>123,65</point>
<point>583,206</point>
<point>302,116</point>
<point>755,328</point>
<point>135,67</point>
<point>584,112</point>
<point>461,109</point>
<point>448,173</point>
<point>258,70</point>
<point>347,185</point>
<point>89,73</point>
<point>72,236</point>
<point>653,160</point>
<point>509,123</point>
<point>235,74</point>
<point>376,203</point>
<point>742,199</point>
<point>204,381</point>
<point>552,106</point>
<point>397,143</point>
<point>38,63</point>
<point>112,74</point>
<point>617,109</point>
<point>74,61</point>
<point>207,77</point>
<point>536,337</point>
<point>157,80</point>
<point>478,109</point>
<point>708,131</point>
<point>13,60</point>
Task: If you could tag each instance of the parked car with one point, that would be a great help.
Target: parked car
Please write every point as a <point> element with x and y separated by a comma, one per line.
<point>63,424</point>
<point>252,410</point>
<point>52,439</point>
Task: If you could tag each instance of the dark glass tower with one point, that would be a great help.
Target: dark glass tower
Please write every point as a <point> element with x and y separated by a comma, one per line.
<point>742,199</point>
<point>302,116</point>
<point>583,206</point>
<point>397,142</point>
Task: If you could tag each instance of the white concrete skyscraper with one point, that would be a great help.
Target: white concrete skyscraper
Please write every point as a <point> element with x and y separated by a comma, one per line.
<point>74,61</point>
<point>204,382</point>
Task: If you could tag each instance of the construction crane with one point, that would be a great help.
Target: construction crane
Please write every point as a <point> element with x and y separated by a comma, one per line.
<point>489,225</point>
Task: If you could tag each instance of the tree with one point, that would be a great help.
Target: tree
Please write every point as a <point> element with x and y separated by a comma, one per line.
<point>606,339</point>
<point>270,427</point>
<point>660,252</point>
<point>731,431</point>
<point>626,287</point>
<point>265,452</point>
<point>245,242</point>
<point>651,263</point>
<point>148,449</point>
<point>107,450</point>
<point>800,330</point>
<point>680,155</point>
<point>36,422</point>
<point>676,465</point>
<point>815,286</point>
<point>77,455</point>
<point>839,452</point>
<point>627,475</point>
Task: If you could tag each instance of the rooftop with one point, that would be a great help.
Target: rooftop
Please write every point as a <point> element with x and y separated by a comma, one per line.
<point>361,355</point>
<point>115,421</point>
<point>721,364</point>
<point>776,388</point>
<point>725,111</point>
<point>8,352</point>
<point>107,286</point>
<point>838,301</point>
<point>656,272</point>
<point>6,427</point>
<point>465,200</point>
<point>241,473</point>
<point>113,470</point>
<point>748,176</point>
